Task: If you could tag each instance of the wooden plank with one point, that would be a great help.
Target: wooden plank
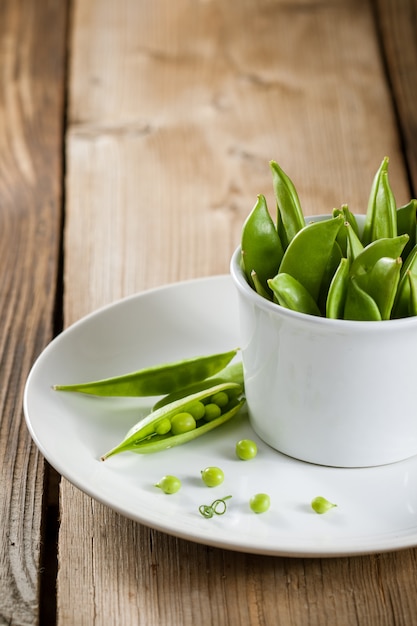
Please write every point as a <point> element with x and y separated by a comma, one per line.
<point>175,111</point>
<point>32,62</point>
<point>397,22</point>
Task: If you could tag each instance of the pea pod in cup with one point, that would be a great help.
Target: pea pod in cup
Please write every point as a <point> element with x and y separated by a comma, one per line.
<point>260,245</point>
<point>290,217</point>
<point>308,254</point>
<point>381,216</point>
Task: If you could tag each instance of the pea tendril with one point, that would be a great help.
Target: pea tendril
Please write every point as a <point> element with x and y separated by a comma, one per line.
<point>217,507</point>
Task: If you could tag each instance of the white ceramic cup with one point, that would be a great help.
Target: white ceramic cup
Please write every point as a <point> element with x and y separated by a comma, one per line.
<point>331,392</point>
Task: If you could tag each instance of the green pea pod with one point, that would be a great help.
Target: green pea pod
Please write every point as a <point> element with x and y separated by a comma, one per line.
<point>335,303</point>
<point>157,380</point>
<point>387,247</point>
<point>261,246</point>
<point>402,300</point>
<point>406,223</point>
<point>354,245</point>
<point>308,254</point>
<point>359,305</point>
<point>290,217</point>
<point>233,373</point>
<point>381,216</point>
<point>413,293</point>
<point>332,264</point>
<point>381,283</point>
<point>292,295</point>
<point>145,436</point>
<point>350,220</point>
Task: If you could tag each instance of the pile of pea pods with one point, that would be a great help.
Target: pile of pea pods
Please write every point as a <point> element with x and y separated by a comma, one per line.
<point>331,267</point>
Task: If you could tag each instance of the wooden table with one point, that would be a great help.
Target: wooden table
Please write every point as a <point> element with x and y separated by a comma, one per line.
<point>134,138</point>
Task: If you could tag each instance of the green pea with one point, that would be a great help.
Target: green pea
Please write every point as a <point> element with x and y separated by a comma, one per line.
<point>246,449</point>
<point>321,505</point>
<point>163,427</point>
<point>197,410</point>
<point>291,294</point>
<point>212,476</point>
<point>169,484</point>
<point>182,423</point>
<point>261,247</point>
<point>260,503</point>
<point>221,399</point>
<point>213,411</point>
<point>157,380</point>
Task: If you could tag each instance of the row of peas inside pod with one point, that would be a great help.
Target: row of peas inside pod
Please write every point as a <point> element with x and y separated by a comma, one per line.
<point>332,267</point>
<point>198,395</point>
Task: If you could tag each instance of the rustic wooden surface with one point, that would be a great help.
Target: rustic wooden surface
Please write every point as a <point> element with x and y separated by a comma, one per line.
<point>173,111</point>
<point>32,80</point>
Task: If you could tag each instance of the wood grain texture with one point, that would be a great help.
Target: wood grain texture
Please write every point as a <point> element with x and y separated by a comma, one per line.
<point>32,66</point>
<point>397,22</point>
<point>175,111</point>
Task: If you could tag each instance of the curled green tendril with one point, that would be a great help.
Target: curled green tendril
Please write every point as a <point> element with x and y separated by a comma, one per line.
<point>217,507</point>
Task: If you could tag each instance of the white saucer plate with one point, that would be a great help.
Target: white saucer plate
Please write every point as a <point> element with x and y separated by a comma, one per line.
<point>376,507</point>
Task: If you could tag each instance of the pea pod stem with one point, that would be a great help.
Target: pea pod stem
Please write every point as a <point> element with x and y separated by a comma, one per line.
<point>157,380</point>
<point>143,438</point>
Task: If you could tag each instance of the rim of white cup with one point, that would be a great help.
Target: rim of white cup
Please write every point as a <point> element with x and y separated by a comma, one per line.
<point>368,326</point>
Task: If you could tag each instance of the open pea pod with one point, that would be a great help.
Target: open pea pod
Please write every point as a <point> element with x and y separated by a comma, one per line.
<point>156,432</point>
<point>291,294</point>
<point>381,283</point>
<point>406,223</point>
<point>157,380</point>
<point>403,297</point>
<point>359,305</point>
<point>336,297</point>
<point>381,216</point>
<point>233,373</point>
<point>261,247</point>
<point>308,253</point>
<point>290,217</point>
